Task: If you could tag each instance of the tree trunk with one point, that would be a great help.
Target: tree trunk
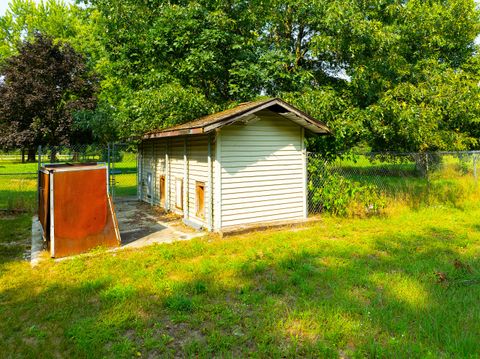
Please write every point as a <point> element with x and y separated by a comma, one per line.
<point>53,155</point>
<point>23,155</point>
<point>31,155</point>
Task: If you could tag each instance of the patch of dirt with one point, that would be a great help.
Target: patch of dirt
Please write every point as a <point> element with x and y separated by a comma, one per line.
<point>10,214</point>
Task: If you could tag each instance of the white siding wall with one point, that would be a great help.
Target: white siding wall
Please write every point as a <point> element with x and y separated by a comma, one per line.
<point>175,154</point>
<point>147,166</point>
<point>261,175</point>
<point>153,160</point>
<point>159,163</point>
<point>197,171</point>
<point>262,171</point>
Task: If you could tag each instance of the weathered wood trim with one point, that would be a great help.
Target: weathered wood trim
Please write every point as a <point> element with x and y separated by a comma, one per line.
<point>167,176</point>
<point>139,172</point>
<point>52,217</point>
<point>209,206</point>
<point>185,179</point>
<point>312,124</point>
<point>218,181</point>
<point>226,122</point>
<point>176,133</point>
<point>305,174</point>
<point>153,171</point>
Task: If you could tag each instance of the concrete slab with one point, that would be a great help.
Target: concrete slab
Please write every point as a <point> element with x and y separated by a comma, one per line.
<point>254,227</point>
<point>36,248</point>
<point>141,224</point>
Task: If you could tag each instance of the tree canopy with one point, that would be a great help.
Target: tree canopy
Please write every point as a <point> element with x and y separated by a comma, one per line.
<point>44,86</point>
<point>384,74</point>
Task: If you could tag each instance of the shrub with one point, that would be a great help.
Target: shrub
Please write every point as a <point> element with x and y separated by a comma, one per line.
<point>337,195</point>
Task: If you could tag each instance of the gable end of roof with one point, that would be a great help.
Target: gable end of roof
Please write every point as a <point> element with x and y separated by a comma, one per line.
<point>214,121</point>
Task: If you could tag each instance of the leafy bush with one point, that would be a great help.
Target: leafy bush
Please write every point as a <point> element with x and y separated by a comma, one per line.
<point>337,195</point>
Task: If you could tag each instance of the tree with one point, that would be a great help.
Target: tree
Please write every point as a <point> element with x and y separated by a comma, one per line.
<point>369,68</point>
<point>63,22</point>
<point>43,86</point>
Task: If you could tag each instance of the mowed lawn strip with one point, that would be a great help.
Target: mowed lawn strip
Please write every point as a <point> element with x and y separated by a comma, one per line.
<point>404,286</point>
<point>18,182</point>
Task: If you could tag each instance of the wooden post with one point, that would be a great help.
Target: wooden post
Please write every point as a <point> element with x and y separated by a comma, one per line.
<point>209,206</point>
<point>167,177</point>
<point>475,176</point>
<point>305,176</point>
<point>218,182</point>
<point>185,179</point>
<point>139,172</point>
<point>153,167</point>
<point>39,166</point>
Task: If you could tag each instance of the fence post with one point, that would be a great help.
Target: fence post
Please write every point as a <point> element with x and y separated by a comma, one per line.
<point>112,169</point>
<point>109,184</point>
<point>39,165</point>
<point>427,169</point>
<point>39,156</point>
<point>475,177</point>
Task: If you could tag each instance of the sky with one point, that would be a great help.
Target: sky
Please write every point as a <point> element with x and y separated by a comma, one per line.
<point>3,6</point>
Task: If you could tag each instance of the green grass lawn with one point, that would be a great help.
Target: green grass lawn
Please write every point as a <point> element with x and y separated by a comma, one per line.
<point>341,287</point>
<point>18,181</point>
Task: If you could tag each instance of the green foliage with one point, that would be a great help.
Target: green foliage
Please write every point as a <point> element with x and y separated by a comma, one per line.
<point>336,109</point>
<point>340,196</point>
<point>98,122</point>
<point>154,108</point>
<point>388,75</point>
<point>43,86</point>
<point>438,112</point>
<point>55,18</point>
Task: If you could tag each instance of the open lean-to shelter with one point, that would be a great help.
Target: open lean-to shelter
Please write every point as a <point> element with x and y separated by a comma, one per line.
<point>246,165</point>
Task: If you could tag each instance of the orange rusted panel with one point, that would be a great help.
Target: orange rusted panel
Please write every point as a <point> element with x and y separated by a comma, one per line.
<point>83,216</point>
<point>80,203</point>
<point>44,201</point>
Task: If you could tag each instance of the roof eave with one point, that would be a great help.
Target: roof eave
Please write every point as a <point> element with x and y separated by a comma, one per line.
<point>321,128</point>
<point>311,124</point>
<point>175,133</point>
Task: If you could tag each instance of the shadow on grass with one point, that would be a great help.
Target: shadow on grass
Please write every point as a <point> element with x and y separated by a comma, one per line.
<point>18,195</point>
<point>15,236</point>
<point>328,300</point>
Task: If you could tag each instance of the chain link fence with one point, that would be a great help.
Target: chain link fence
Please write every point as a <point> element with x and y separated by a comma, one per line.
<point>123,170</point>
<point>367,183</point>
<point>354,184</point>
<point>19,169</point>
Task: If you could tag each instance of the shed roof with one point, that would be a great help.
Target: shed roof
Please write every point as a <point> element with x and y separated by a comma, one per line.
<point>211,122</point>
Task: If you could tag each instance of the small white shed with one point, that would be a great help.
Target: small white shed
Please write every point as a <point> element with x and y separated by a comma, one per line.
<point>241,166</point>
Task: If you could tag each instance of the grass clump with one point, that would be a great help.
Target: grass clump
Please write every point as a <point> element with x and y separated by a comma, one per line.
<point>117,294</point>
<point>406,285</point>
<point>179,302</point>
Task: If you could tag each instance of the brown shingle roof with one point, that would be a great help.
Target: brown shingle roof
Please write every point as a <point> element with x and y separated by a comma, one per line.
<point>200,125</point>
